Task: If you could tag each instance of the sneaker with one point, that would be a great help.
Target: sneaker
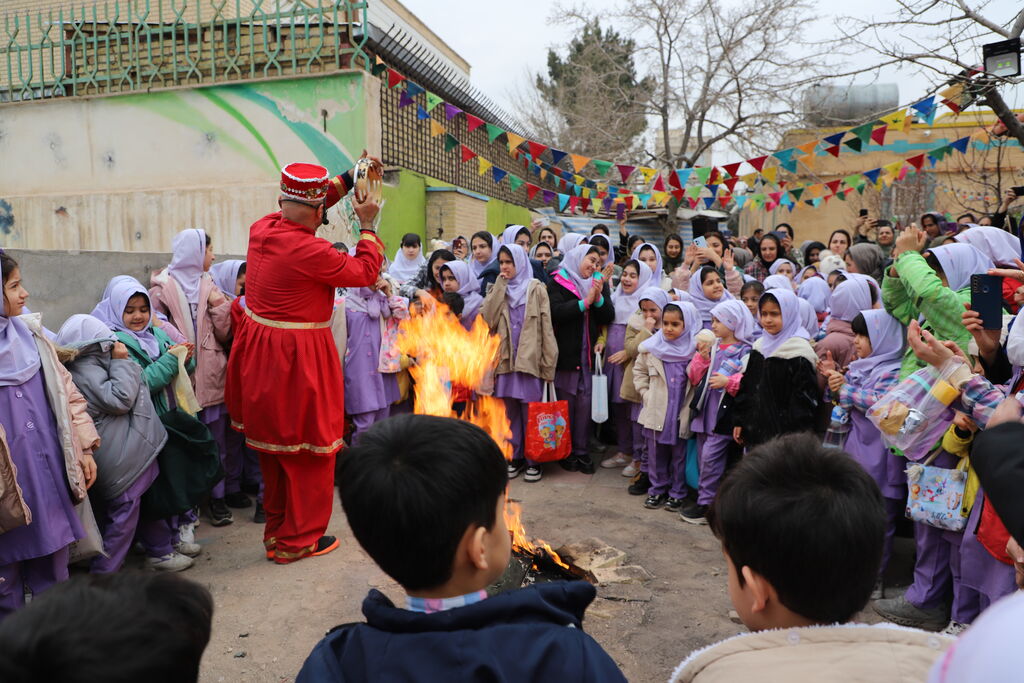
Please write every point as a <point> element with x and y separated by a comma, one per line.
<point>640,485</point>
<point>325,545</point>
<point>631,469</point>
<point>585,465</point>
<point>878,592</point>
<point>693,513</point>
<point>238,500</point>
<point>533,474</point>
<point>187,533</point>
<point>618,460</point>
<point>674,504</point>
<point>188,549</point>
<point>220,515</point>
<point>899,611</point>
<point>174,562</point>
<point>654,502</point>
<point>515,468</point>
<point>259,516</point>
<point>954,628</point>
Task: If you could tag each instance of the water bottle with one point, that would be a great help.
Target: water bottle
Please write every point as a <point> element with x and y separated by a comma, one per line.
<point>838,427</point>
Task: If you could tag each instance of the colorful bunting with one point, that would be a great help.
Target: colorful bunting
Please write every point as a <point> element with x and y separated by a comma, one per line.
<point>514,182</point>
<point>579,161</point>
<point>732,169</point>
<point>872,175</point>
<point>498,174</point>
<point>432,101</point>
<point>961,144</point>
<point>563,201</point>
<point>602,167</point>
<point>531,190</point>
<point>625,171</point>
<point>404,100</point>
<point>863,133</point>
<point>878,134</point>
<point>834,151</point>
<point>702,173</point>
<point>421,113</point>
<point>473,122</point>
<point>514,140</point>
<point>917,161</point>
<point>493,132</point>
<point>557,155</point>
<point>467,153</point>
<point>855,144</point>
<point>414,89</point>
<point>835,139</point>
<point>394,78</point>
<point>536,149</point>
<point>770,174</point>
<point>451,111</point>
<point>548,196</point>
<point>435,128</point>
<point>483,165</point>
<point>683,176</point>
<point>450,142</point>
<point>757,162</point>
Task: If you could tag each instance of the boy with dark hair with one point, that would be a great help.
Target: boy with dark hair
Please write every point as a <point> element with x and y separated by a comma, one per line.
<point>424,497</point>
<point>115,628</point>
<point>801,528</point>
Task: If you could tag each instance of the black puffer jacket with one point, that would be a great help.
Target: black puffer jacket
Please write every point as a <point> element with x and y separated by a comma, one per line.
<point>567,320</point>
<point>777,396</point>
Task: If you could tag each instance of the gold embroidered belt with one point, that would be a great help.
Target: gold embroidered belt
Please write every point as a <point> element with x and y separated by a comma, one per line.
<point>285,325</point>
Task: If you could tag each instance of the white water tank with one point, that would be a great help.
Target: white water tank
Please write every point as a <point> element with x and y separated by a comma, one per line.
<point>831,105</point>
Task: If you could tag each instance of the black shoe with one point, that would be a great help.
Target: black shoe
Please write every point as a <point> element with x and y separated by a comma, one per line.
<point>253,489</point>
<point>585,465</point>
<point>641,482</point>
<point>220,515</point>
<point>569,464</point>
<point>237,500</point>
<point>259,516</point>
<point>654,502</point>
<point>674,504</point>
<point>693,513</point>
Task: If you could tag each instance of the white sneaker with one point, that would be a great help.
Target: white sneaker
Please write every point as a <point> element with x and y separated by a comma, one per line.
<point>954,628</point>
<point>188,549</point>
<point>617,460</point>
<point>533,473</point>
<point>175,562</point>
<point>187,534</point>
<point>631,469</point>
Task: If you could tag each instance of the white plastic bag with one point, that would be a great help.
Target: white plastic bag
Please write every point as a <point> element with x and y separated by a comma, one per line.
<point>599,394</point>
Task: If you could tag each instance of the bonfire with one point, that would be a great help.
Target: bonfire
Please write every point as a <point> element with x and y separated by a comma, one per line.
<point>447,355</point>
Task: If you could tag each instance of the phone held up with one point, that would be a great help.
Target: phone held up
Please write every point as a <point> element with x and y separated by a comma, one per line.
<point>700,242</point>
<point>1018,190</point>
<point>987,300</point>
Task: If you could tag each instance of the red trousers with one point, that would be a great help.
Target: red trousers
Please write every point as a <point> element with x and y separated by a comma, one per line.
<point>298,494</point>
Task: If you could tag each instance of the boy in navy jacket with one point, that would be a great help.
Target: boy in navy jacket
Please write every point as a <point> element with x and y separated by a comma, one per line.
<point>424,497</point>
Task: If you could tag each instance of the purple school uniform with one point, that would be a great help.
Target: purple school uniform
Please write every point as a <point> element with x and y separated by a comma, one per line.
<point>217,421</point>
<point>666,457</point>
<point>575,386</point>
<point>517,388</point>
<point>32,436</point>
<point>714,448</point>
<point>620,408</point>
<point>118,520</point>
<point>937,567</point>
<point>368,392</point>
<point>983,578</point>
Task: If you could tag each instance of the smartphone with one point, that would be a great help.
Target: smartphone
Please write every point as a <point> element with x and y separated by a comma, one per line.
<point>987,300</point>
<point>1019,190</point>
<point>620,211</point>
<point>863,212</point>
<point>700,242</point>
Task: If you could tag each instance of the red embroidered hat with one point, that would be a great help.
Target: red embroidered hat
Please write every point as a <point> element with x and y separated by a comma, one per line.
<point>304,182</point>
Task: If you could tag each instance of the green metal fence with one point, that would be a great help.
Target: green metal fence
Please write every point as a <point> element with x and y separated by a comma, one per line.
<point>139,45</point>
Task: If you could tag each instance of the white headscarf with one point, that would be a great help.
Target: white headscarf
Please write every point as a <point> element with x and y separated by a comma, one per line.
<point>887,341</point>
<point>519,285</point>
<point>404,269</point>
<point>997,244</point>
<point>792,322</point>
<point>571,267</point>
<point>475,266</point>
<point>189,247</point>
<point>626,304</point>
<point>570,241</point>
<point>959,262</point>
<point>681,348</point>
<point>225,275</point>
<point>81,328</point>
<point>735,315</point>
<point>508,236</point>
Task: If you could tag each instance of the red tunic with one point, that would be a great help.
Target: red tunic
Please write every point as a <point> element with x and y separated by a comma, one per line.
<point>284,384</point>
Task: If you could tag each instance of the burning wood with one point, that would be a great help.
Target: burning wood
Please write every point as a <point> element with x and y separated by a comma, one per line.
<point>448,356</point>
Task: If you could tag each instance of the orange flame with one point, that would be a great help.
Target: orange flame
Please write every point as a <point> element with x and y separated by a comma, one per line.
<point>448,357</point>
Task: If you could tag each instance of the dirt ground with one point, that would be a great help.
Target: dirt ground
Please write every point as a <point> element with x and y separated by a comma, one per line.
<point>269,617</point>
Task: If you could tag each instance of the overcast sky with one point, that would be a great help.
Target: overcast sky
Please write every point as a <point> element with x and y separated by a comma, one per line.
<point>505,41</point>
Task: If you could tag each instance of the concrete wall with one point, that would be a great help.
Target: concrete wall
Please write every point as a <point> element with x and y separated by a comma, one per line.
<point>62,283</point>
<point>126,172</point>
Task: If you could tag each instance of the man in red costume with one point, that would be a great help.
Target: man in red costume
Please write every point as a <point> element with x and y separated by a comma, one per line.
<point>284,383</point>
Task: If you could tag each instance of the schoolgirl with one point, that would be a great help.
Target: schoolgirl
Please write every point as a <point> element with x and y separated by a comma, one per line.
<point>706,291</point>
<point>849,298</point>
<point>750,295</point>
<point>408,259</point>
<point>661,381</point>
<point>733,326</point>
<point>779,391</point>
<point>457,278</point>
<point>187,295</point>
<point>46,444</point>
<point>229,276</point>
<point>626,299</point>
<point>481,246</point>
<point>783,267</point>
<point>648,253</point>
<point>715,255</point>
<point>130,430</point>
<point>368,392</point>
<point>879,340</point>
<point>517,310</point>
<point>427,281</point>
<point>580,303</point>
<point>642,324</point>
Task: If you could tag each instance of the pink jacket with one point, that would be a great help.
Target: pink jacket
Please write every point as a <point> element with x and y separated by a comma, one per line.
<point>213,333</point>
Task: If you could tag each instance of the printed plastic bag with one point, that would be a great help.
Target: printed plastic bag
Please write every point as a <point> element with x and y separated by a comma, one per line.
<point>912,415</point>
<point>184,394</point>
<point>547,428</point>
<point>599,395</point>
<point>935,495</point>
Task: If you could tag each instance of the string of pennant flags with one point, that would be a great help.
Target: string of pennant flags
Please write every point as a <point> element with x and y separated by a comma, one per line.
<point>695,185</point>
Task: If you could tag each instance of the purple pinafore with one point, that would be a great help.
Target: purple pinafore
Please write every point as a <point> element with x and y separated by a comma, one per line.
<point>517,388</point>
<point>369,393</point>
<point>714,448</point>
<point>575,386</point>
<point>620,407</point>
<point>666,452</point>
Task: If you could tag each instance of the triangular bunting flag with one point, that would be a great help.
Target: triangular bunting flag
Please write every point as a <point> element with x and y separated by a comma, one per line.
<point>678,194</point>
<point>493,132</point>
<point>940,152</point>
<point>498,174</point>
<point>834,151</point>
<point>379,66</point>
<point>514,182</point>
<point>531,190</point>
<point>536,149</point>
<point>893,169</point>
<point>647,173</point>
<point>584,204</point>
<point>776,197</point>
<point>394,78</point>
<point>563,201</point>
<point>732,169</point>
<point>702,174</point>
<point>421,113</point>
<point>961,144</point>
<point>770,174</point>
<point>557,155</point>
<point>724,198</point>
<point>405,100</point>
<point>878,134</point>
<point>855,144</point>
<point>693,202</point>
<point>924,106</point>
<point>895,119</point>
<point>740,201</point>
<point>514,140</point>
<point>785,155</point>
<point>917,162</point>
<point>797,193</point>
<point>473,122</point>
<point>872,175</point>
<point>450,142</point>
<point>731,183</point>
<point>807,148</point>
<point>789,165</point>
<point>683,176</point>
<point>414,89</point>
<point>659,184</point>
<point>834,139</point>
<point>643,198</point>
<point>451,111</point>
<point>467,153</point>
<point>579,161</point>
<point>482,165</point>
<point>548,196</point>
<point>602,166</point>
<point>694,191</point>
<point>625,171</point>
<point>708,201</point>
<point>863,132</point>
<point>757,162</point>
<point>853,180</point>
<point>435,128</point>
<point>433,100</point>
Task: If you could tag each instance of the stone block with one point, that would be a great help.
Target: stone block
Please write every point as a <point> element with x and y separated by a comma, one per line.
<point>630,573</point>
<point>592,553</point>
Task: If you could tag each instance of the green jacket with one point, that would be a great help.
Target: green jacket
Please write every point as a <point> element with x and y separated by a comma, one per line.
<point>158,374</point>
<point>917,292</point>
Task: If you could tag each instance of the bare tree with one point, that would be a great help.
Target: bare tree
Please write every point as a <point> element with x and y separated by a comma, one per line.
<point>723,73</point>
<point>943,38</point>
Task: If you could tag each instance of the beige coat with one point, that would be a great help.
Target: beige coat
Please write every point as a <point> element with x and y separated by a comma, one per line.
<point>818,654</point>
<point>636,334</point>
<point>652,385</point>
<point>537,352</point>
<point>214,330</point>
<point>13,510</point>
